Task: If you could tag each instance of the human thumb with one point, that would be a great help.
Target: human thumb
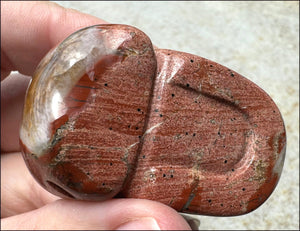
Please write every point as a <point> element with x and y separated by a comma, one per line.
<point>120,214</point>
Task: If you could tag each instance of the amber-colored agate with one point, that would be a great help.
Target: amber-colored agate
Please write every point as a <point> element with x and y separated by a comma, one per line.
<point>166,126</point>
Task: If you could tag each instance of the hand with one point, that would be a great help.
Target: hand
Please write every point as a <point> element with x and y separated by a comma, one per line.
<point>28,31</point>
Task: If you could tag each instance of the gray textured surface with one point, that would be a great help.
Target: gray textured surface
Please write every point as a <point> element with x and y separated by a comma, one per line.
<point>259,40</point>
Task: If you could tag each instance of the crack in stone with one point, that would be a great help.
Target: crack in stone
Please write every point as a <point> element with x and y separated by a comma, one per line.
<point>152,128</point>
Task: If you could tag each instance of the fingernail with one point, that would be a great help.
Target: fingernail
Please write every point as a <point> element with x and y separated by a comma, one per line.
<point>194,224</point>
<point>146,223</point>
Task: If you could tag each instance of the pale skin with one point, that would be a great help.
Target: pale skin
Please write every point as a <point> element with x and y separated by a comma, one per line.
<point>28,31</point>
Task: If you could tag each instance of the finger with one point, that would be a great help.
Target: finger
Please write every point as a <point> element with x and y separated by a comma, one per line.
<point>13,90</point>
<point>37,27</point>
<point>20,194</point>
<point>127,214</point>
<point>193,222</point>
<point>19,191</point>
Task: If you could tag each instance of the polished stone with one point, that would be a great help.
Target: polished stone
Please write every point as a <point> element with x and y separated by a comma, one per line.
<point>107,115</point>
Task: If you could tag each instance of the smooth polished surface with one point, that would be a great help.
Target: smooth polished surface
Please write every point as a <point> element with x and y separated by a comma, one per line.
<point>85,111</point>
<point>215,139</point>
<point>120,119</point>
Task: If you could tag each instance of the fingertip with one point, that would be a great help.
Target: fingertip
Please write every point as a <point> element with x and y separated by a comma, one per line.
<point>64,21</point>
<point>122,214</point>
<point>138,211</point>
<point>38,27</point>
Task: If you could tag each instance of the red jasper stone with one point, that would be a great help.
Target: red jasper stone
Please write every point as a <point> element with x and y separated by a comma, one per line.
<point>107,116</point>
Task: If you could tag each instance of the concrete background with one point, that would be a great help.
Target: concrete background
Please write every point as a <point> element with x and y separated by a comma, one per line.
<point>259,40</point>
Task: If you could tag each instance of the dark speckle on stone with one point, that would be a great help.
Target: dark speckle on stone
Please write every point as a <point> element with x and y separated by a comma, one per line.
<point>187,85</point>
<point>192,61</point>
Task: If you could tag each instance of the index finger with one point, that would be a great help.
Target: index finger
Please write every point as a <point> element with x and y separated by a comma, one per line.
<point>30,29</point>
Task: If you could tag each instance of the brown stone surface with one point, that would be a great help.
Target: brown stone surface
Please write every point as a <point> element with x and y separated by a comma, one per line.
<point>161,125</point>
<point>217,142</point>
